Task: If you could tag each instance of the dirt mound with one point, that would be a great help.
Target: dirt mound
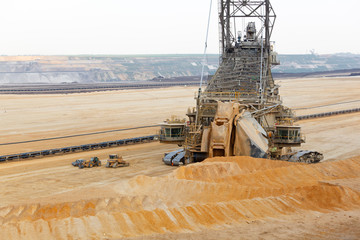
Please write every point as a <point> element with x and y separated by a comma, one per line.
<point>217,192</point>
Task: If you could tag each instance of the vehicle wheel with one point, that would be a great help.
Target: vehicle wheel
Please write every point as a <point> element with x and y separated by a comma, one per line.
<point>115,165</point>
<point>107,164</point>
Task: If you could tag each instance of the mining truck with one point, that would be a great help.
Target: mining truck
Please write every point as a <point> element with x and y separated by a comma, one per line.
<point>93,162</point>
<point>115,161</point>
<point>77,162</point>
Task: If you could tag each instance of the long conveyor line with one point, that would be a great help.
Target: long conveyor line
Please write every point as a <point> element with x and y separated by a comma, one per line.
<point>72,149</point>
<point>327,114</point>
<point>88,88</point>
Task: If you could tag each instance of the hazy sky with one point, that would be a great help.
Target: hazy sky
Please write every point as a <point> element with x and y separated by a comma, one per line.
<point>30,27</point>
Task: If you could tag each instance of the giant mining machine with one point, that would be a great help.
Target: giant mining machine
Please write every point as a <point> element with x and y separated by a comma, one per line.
<point>240,112</point>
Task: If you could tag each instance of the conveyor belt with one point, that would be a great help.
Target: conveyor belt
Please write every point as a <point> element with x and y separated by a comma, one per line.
<point>327,114</point>
<point>72,149</point>
<point>86,88</point>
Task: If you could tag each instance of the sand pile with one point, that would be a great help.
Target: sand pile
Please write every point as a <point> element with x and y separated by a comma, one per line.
<point>218,192</point>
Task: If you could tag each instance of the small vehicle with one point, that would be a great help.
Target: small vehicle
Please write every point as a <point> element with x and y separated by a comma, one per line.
<point>78,162</point>
<point>93,162</point>
<point>115,161</point>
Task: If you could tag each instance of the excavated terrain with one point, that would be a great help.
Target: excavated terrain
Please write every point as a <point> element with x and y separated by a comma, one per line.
<point>220,198</point>
<point>215,193</point>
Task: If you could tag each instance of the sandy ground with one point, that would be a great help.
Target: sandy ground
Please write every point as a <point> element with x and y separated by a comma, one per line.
<point>314,92</point>
<point>47,198</point>
<point>336,137</point>
<point>28,117</point>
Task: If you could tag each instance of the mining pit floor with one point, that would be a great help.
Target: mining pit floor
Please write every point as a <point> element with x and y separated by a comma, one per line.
<point>221,198</point>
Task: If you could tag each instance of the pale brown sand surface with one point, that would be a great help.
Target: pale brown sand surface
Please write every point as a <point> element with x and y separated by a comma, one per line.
<point>242,198</point>
<point>221,197</point>
<point>336,137</point>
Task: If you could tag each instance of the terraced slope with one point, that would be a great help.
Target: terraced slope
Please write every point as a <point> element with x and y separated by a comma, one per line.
<point>214,194</point>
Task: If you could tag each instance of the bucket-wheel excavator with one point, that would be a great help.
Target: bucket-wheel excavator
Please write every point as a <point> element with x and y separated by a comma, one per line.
<point>240,112</point>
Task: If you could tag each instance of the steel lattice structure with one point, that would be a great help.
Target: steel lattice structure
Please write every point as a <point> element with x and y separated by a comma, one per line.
<point>246,57</point>
<point>230,11</point>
